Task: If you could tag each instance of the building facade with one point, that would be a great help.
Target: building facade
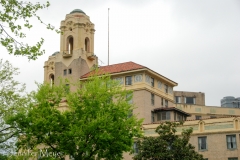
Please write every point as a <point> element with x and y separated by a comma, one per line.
<point>216,130</point>
<point>150,89</point>
<point>183,97</point>
<point>76,56</point>
<point>215,139</point>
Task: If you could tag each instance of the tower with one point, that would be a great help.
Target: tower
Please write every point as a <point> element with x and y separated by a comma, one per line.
<point>76,56</point>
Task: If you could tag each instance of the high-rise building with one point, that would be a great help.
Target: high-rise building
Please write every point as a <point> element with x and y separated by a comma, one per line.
<point>231,102</point>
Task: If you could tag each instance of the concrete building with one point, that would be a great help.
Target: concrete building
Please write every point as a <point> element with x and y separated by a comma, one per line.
<point>215,139</point>
<point>230,102</point>
<point>153,94</point>
<point>150,89</point>
<point>183,97</point>
<point>76,56</point>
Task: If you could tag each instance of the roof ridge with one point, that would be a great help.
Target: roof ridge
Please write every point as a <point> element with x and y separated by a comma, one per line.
<point>121,63</point>
<point>115,68</point>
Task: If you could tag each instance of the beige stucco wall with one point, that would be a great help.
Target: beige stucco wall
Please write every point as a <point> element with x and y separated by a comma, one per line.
<point>142,91</point>
<point>207,111</point>
<point>199,96</point>
<point>215,130</point>
<point>79,26</point>
<point>217,146</point>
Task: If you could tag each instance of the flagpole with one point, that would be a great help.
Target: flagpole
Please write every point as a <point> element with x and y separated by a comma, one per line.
<point>108,35</point>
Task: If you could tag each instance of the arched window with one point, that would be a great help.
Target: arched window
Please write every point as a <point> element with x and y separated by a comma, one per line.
<point>87,44</point>
<point>70,44</point>
<point>51,79</point>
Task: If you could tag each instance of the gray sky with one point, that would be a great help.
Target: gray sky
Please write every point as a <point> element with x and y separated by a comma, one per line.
<point>194,43</point>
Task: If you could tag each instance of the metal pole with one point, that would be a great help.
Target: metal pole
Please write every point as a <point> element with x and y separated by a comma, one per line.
<point>108,35</point>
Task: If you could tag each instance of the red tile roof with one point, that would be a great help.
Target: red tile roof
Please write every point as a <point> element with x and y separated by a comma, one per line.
<point>116,68</point>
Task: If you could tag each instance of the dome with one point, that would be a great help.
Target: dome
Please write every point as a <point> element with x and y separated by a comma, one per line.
<point>77,11</point>
<point>228,97</point>
<point>55,53</point>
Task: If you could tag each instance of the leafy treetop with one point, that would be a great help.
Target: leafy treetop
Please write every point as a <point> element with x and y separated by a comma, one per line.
<point>168,145</point>
<point>12,100</point>
<point>14,17</point>
<point>96,124</point>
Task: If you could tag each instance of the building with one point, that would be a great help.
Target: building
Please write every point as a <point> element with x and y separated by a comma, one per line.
<point>215,139</point>
<point>216,128</point>
<point>150,89</point>
<point>76,56</point>
<point>183,97</point>
<point>230,102</point>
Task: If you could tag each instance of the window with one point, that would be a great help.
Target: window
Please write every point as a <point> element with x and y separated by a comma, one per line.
<point>138,78</point>
<point>128,80</point>
<point>233,158</point>
<point>152,82</point>
<point>159,85</point>
<point>190,100</point>
<point>120,80</point>
<point>162,101</point>
<point>178,117</point>
<point>64,72</point>
<point>87,45</point>
<point>147,79</point>
<point>170,90</point>
<point>231,142</point>
<point>198,117</point>
<point>152,98</point>
<point>135,148</point>
<point>163,116</point>
<point>166,88</point>
<point>166,103</point>
<point>70,45</point>
<point>152,117</point>
<point>69,71</point>
<point>52,79</point>
<point>177,99</point>
<point>202,143</point>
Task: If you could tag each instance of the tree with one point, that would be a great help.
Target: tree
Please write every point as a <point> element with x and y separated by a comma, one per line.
<point>12,100</point>
<point>14,17</point>
<point>3,157</point>
<point>95,125</point>
<point>168,145</point>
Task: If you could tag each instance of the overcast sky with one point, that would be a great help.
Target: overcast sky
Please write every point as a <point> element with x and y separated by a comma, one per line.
<point>194,43</point>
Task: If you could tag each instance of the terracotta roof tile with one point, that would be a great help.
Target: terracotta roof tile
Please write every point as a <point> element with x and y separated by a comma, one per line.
<point>116,68</point>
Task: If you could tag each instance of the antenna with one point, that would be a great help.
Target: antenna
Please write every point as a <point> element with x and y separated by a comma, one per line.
<point>108,35</point>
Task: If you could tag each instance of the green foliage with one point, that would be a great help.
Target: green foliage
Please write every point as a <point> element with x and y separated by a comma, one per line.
<point>3,157</point>
<point>14,17</point>
<point>95,125</point>
<point>12,101</point>
<point>168,145</point>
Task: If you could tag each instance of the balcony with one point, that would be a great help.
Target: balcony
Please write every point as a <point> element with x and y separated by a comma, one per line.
<point>67,54</point>
<point>91,56</point>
